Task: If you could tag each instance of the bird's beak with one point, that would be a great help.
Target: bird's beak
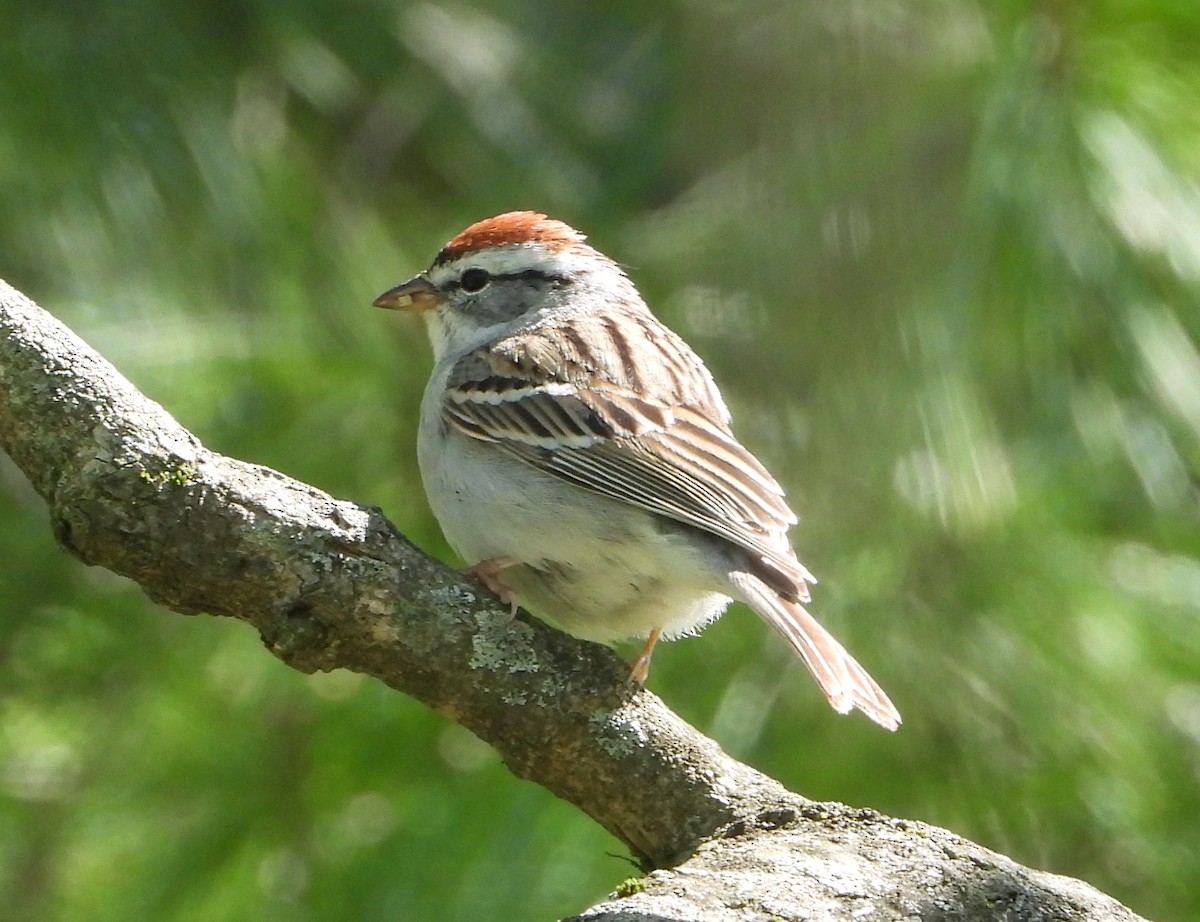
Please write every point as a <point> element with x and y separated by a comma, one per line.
<point>416,296</point>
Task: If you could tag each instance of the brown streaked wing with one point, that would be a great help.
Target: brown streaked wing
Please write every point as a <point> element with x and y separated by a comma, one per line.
<point>636,472</point>
<point>527,416</point>
<point>676,459</point>
<point>632,354</point>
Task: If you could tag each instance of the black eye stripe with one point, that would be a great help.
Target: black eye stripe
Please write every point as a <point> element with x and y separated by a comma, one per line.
<point>465,283</point>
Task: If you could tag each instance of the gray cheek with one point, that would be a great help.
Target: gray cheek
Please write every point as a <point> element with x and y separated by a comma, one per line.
<point>508,300</point>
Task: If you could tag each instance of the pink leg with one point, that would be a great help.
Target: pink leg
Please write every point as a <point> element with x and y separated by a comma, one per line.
<point>639,669</point>
<point>488,572</point>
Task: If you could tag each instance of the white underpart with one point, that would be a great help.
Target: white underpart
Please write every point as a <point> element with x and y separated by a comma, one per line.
<point>611,572</point>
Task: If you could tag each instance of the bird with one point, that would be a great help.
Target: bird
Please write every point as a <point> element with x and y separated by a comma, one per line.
<point>579,457</point>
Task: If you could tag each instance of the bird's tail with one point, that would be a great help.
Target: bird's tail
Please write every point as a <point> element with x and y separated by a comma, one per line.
<point>845,683</point>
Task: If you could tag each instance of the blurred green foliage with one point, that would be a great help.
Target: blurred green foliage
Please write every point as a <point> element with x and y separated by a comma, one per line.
<point>944,257</point>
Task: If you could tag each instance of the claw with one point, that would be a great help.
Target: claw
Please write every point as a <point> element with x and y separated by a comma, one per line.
<point>488,572</point>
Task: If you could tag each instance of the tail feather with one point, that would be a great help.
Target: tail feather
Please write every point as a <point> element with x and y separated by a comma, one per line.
<point>845,683</point>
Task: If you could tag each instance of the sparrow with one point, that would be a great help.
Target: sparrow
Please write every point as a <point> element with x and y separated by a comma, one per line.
<point>578,455</point>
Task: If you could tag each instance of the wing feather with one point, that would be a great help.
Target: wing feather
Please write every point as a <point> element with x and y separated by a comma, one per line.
<point>575,405</point>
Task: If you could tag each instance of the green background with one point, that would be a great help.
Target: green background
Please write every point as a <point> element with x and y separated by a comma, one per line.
<point>944,258</point>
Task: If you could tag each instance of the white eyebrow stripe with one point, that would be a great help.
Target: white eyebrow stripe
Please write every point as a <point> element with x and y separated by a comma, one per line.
<point>514,259</point>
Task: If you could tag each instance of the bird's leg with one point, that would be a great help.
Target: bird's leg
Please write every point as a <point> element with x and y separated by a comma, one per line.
<point>488,572</point>
<point>639,668</point>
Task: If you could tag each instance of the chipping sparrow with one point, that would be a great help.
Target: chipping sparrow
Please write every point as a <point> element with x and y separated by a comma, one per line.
<point>578,454</point>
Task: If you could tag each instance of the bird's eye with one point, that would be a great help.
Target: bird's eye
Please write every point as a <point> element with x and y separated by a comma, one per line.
<point>474,280</point>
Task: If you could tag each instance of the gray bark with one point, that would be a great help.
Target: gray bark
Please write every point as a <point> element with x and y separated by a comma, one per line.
<point>330,584</point>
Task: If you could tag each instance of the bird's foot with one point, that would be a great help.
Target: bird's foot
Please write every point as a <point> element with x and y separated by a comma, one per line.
<point>488,572</point>
<point>639,666</point>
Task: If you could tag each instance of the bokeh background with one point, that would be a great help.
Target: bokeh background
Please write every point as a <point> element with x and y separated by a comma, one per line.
<point>944,257</point>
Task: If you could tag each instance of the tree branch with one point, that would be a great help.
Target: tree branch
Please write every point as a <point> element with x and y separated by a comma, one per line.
<point>330,584</point>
